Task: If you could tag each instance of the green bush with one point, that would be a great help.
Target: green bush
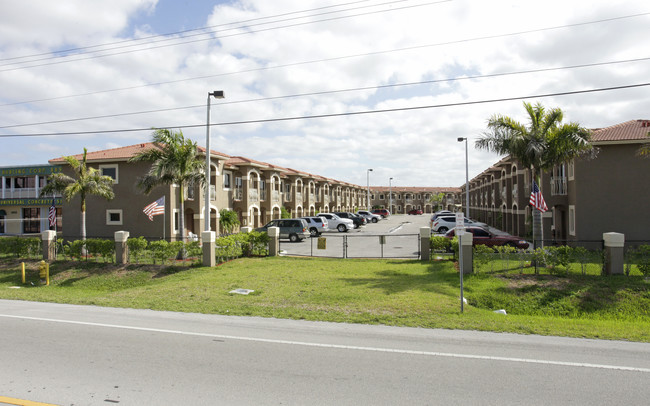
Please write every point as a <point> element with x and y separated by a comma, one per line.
<point>98,247</point>
<point>137,247</point>
<point>438,243</point>
<point>20,247</point>
<point>482,255</point>
<point>159,250</point>
<point>643,259</point>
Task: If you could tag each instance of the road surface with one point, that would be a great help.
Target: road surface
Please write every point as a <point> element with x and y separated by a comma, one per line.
<point>85,355</point>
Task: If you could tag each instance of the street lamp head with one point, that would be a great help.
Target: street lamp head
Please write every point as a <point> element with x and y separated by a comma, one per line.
<point>369,170</point>
<point>461,139</point>
<point>217,94</point>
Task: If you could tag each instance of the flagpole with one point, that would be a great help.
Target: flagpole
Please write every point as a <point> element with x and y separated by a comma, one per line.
<point>164,220</point>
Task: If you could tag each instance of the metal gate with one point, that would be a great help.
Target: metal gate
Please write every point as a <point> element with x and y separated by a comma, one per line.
<point>405,246</point>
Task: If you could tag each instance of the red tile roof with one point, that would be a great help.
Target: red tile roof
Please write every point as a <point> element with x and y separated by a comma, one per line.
<point>123,153</point>
<point>633,130</point>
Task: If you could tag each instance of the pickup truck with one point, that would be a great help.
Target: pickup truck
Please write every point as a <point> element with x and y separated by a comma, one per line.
<point>334,222</point>
<point>356,219</point>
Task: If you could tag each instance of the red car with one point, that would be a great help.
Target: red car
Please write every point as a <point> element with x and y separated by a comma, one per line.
<point>416,211</point>
<point>484,237</point>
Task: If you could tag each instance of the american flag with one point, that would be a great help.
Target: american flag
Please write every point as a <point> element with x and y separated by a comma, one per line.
<point>51,214</point>
<point>155,208</point>
<point>536,199</point>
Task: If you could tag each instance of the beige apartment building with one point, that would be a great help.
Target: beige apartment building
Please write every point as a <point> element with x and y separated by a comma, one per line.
<point>585,197</point>
<point>257,191</point>
<point>405,199</point>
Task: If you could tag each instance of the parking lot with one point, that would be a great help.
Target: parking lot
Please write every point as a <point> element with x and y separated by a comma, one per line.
<point>394,237</point>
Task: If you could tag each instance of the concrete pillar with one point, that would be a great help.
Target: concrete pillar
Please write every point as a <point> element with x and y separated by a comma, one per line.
<point>208,238</point>
<point>425,237</point>
<point>121,248</point>
<point>465,240</point>
<point>274,243</point>
<point>614,250</point>
<point>49,245</point>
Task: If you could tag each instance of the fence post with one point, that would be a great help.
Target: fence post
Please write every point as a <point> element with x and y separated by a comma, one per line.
<point>425,237</point>
<point>274,242</point>
<point>465,240</point>
<point>614,250</point>
<point>49,246</point>
<point>121,247</point>
<point>208,239</point>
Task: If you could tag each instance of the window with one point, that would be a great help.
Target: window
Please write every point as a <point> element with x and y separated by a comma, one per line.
<point>382,197</point>
<point>176,221</point>
<point>31,220</point>
<point>227,180</point>
<point>571,169</point>
<point>114,217</point>
<point>109,170</point>
<point>572,220</point>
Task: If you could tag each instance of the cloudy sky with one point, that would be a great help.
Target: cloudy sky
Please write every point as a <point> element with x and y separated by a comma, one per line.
<point>331,87</point>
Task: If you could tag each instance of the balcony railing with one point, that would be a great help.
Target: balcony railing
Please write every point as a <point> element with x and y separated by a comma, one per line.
<point>287,196</point>
<point>238,193</point>
<point>558,186</point>
<point>253,195</point>
<point>275,196</point>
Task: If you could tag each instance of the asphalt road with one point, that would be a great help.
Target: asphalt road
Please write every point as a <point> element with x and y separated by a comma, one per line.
<point>84,355</point>
<point>400,240</point>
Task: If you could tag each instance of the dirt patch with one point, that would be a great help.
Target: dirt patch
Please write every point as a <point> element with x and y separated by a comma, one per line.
<point>518,281</point>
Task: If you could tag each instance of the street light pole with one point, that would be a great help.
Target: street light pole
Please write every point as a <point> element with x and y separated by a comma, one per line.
<point>461,139</point>
<point>217,94</point>
<point>368,184</point>
<point>390,195</point>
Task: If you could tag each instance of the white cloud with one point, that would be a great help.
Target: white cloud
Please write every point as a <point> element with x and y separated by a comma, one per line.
<point>456,39</point>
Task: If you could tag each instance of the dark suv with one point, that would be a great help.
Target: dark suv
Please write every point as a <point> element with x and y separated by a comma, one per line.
<point>293,229</point>
<point>356,219</point>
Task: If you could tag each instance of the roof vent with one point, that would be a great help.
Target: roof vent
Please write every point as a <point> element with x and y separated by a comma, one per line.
<point>141,145</point>
<point>645,123</point>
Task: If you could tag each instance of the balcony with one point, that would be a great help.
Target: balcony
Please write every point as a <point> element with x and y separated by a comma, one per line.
<point>559,186</point>
<point>253,196</point>
<point>275,196</point>
<point>238,193</point>
<point>287,196</point>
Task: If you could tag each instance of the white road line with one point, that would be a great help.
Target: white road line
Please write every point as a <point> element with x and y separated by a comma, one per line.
<point>342,347</point>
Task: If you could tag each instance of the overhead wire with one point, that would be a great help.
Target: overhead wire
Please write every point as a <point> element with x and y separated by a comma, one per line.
<point>149,48</point>
<point>264,68</point>
<point>326,92</point>
<point>330,115</point>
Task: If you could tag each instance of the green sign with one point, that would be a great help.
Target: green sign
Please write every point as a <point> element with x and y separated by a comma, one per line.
<point>30,170</point>
<point>44,201</point>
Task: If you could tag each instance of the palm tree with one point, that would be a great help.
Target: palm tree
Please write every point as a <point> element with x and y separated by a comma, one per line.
<point>174,161</point>
<point>89,181</point>
<point>544,143</point>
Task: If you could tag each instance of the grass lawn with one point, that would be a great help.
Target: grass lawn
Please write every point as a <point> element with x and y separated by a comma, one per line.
<point>391,292</point>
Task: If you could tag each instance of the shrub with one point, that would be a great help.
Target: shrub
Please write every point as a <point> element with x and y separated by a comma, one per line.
<point>482,255</point>
<point>137,246</point>
<point>439,244</point>
<point>643,261</point>
<point>158,250</point>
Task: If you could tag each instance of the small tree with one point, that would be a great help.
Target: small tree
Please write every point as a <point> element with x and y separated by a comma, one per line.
<point>228,220</point>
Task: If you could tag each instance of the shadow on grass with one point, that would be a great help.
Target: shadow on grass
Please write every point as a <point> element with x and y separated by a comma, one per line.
<point>439,278</point>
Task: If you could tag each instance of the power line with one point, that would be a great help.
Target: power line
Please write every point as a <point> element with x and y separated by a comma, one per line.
<point>426,82</point>
<point>347,114</point>
<point>149,48</point>
<point>466,40</point>
<point>70,50</point>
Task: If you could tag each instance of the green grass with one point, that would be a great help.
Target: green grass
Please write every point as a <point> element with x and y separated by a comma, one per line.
<point>391,292</point>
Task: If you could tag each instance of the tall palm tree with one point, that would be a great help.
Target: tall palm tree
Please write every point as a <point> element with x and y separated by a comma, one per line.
<point>174,161</point>
<point>542,144</point>
<point>88,181</point>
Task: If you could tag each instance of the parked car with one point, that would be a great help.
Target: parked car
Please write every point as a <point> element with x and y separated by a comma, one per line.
<point>334,222</point>
<point>293,229</point>
<point>482,236</point>
<point>437,214</point>
<point>443,224</point>
<point>369,216</point>
<point>356,219</point>
<point>415,211</point>
<point>381,212</point>
<point>316,225</point>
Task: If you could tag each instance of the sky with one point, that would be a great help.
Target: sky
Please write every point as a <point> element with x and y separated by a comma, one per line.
<point>329,87</point>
